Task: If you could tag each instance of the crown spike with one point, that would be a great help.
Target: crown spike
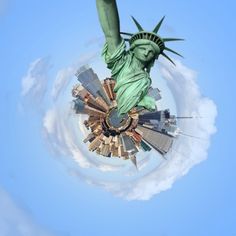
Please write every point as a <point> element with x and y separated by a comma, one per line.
<point>127,39</point>
<point>171,39</point>
<point>128,34</point>
<point>156,29</point>
<point>137,24</point>
<point>163,54</point>
<point>170,50</point>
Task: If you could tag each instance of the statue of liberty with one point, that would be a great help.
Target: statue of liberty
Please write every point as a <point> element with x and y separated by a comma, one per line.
<point>130,68</point>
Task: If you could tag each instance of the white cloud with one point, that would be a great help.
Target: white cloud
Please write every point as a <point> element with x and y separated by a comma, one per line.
<point>63,78</point>
<point>60,130</point>
<point>34,83</point>
<point>61,137</point>
<point>65,75</point>
<point>14,221</point>
<point>64,133</point>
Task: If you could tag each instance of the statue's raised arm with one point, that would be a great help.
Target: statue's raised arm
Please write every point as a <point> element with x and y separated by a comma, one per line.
<point>109,20</point>
<point>131,68</point>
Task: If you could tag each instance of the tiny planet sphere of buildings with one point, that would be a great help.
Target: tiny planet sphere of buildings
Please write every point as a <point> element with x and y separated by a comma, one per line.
<point>121,136</point>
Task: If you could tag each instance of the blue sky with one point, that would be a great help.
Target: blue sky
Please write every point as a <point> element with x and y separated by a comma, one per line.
<point>40,193</point>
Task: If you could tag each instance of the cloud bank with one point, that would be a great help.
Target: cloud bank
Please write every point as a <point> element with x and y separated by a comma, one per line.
<point>34,83</point>
<point>64,132</point>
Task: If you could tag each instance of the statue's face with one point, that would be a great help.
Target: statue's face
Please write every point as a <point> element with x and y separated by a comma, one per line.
<point>144,53</point>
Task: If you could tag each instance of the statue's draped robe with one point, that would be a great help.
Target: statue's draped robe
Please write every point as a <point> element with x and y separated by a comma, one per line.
<point>132,82</point>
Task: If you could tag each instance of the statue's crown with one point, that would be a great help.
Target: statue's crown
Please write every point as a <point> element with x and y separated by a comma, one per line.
<point>153,37</point>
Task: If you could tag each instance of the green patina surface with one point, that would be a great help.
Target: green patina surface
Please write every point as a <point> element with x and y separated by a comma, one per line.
<point>132,82</point>
<point>130,68</point>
